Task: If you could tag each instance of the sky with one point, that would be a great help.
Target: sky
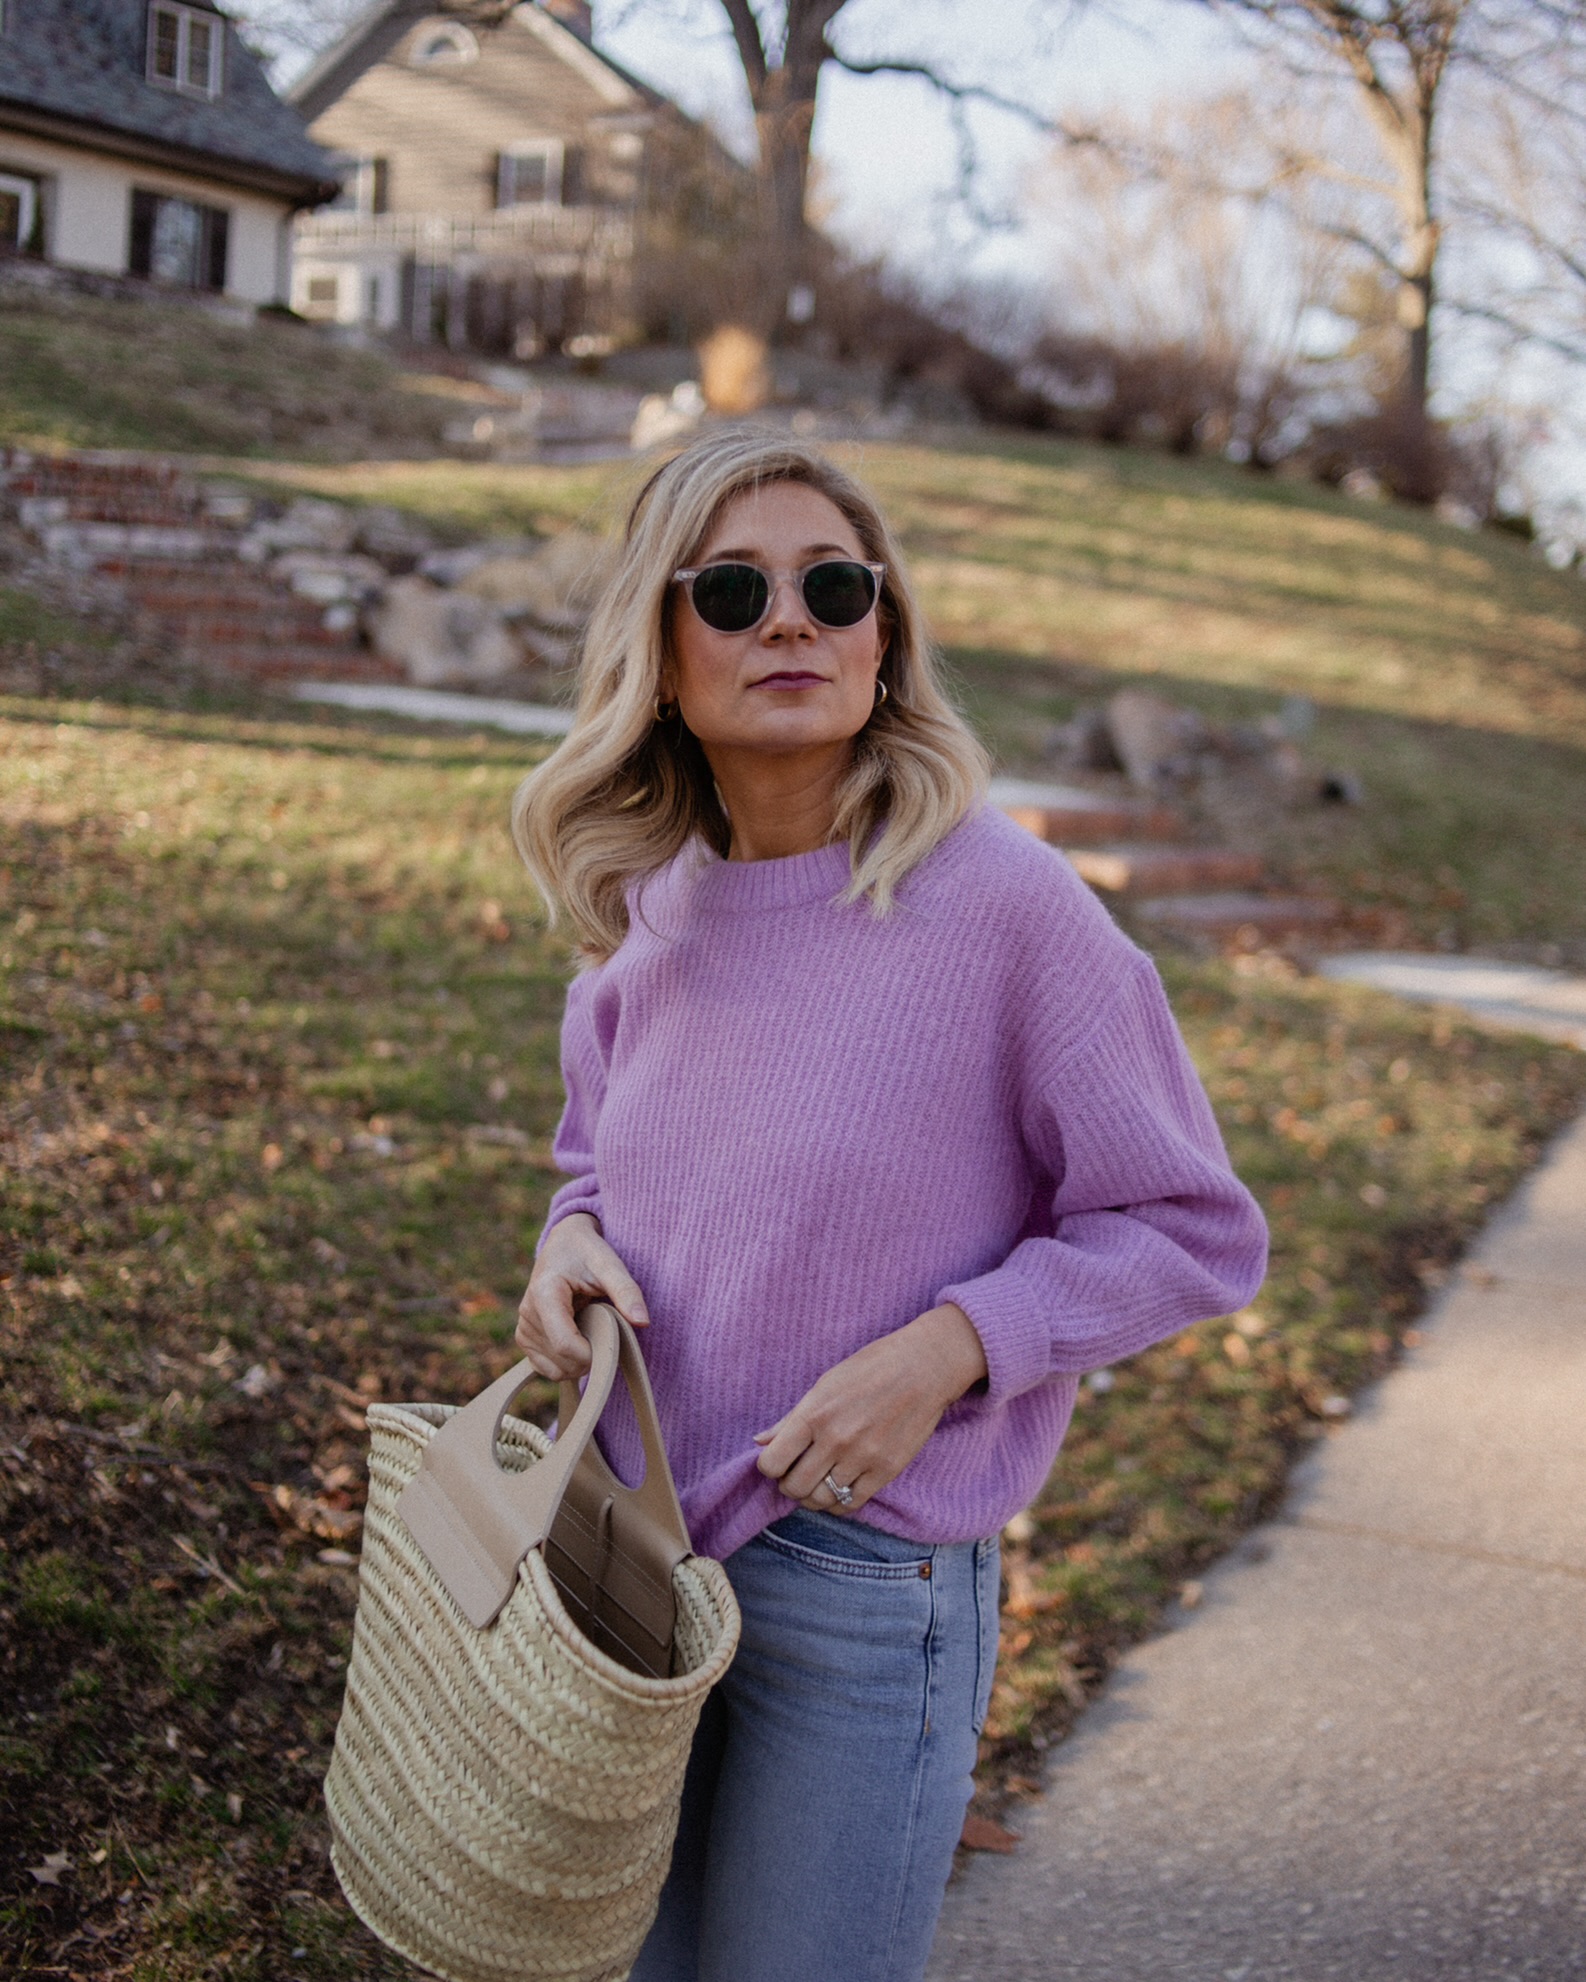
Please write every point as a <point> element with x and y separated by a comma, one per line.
<point>886,159</point>
<point>884,147</point>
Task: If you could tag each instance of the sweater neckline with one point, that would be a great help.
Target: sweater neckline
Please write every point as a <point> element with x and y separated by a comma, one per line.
<point>748,886</point>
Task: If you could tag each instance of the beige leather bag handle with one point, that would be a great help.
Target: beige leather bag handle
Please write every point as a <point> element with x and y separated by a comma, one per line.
<point>475,1522</point>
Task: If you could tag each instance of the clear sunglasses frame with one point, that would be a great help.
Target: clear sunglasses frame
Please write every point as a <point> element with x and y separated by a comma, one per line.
<point>686,575</point>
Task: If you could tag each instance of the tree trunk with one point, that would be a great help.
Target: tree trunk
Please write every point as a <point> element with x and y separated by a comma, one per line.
<point>783,96</point>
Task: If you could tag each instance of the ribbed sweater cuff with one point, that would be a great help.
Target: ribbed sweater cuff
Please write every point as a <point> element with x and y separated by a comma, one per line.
<point>1011,1330</point>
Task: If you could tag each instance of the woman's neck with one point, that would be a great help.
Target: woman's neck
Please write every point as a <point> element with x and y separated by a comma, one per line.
<point>778,806</point>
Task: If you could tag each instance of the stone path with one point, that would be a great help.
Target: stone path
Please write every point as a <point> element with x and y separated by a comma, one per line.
<point>435,705</point>
<point>1363,1756</point>
<point>1519,997</point>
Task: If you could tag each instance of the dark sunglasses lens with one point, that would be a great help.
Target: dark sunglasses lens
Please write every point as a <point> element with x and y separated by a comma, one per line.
<point>839,593</point>
<point>730,597</point>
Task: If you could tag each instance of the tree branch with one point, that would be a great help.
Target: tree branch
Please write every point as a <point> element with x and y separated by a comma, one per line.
<point>966,93</point>
<point>1516,327</point>
<point>751,48</point>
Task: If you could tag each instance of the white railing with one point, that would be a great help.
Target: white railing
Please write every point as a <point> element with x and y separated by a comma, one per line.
<point>441,238</point>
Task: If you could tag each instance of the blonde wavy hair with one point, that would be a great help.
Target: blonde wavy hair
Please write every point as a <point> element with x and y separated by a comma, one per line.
<point>623,794</point>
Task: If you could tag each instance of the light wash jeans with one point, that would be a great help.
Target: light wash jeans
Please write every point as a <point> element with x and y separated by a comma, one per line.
<point>828,1780</point>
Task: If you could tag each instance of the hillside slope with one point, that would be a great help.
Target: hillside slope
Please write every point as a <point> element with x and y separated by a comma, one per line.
<point>1448,669</point>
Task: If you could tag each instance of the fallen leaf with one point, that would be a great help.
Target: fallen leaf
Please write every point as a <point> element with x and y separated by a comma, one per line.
<point>1190,1595</point>
<point>234,1806</point>
<point>49,1873</point>
<point>986,1834</point>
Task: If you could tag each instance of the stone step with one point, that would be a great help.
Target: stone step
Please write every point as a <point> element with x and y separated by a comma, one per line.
<point>276,660</point>
<point>1069,816</point>
<point>217,635</point>
<point>1226,915</point>
<point>182,585</point>
<point>1165,870</point>
<point>149,511</point>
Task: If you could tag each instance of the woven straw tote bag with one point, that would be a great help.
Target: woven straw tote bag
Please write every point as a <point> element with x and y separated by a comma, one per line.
<point>533,1644</point>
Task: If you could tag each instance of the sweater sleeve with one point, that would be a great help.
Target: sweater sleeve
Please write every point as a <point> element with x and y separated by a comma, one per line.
<point>1146,1228</point>
<point>584,1078</point>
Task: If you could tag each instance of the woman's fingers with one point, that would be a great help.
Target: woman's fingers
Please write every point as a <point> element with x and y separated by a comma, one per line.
<point>822,1500</point>
<point>800,1464</point>
<point>621,1289</point>
<point>547,1333</point>
<point>780,1447</point>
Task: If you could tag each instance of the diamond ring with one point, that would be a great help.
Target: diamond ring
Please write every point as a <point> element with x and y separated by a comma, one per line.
<point>844,1496</point>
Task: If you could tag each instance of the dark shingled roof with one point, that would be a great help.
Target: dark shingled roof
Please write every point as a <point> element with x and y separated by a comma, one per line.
<point>85,62</point>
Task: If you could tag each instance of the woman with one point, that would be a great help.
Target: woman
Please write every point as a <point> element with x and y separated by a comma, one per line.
<point>883,1134</point>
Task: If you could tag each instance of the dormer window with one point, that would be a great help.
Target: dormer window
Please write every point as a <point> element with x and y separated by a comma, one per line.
<point>449,46</point>
<point>184,49</point>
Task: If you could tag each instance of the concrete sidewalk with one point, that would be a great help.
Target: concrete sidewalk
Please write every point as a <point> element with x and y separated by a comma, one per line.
<point>1364,1755</point>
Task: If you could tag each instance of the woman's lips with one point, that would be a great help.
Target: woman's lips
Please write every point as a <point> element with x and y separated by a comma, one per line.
<point>791,679</point>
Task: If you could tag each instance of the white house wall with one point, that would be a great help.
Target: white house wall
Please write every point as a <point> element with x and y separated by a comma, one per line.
<point>88,214</point>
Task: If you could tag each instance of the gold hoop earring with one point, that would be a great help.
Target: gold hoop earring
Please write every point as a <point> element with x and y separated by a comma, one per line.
<point>664,711</point>
<point>881,691</point>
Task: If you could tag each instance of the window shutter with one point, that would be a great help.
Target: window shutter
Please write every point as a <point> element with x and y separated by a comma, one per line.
<point>506,178</point>
<point>573,175</point>
<point>140,251</point>
<point>380,185</point>
<point>217,235</point>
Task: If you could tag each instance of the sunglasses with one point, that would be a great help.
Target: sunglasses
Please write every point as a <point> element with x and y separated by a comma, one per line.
<point>839,591</point>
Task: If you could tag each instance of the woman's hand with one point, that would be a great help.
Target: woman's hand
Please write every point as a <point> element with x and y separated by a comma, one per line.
<point>864,1420</point>
<point>575,1265</point>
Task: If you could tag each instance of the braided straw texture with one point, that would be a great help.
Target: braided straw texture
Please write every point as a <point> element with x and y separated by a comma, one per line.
<point>503,1802</point>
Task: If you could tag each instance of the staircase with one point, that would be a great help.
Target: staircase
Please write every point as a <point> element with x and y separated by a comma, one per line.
<point>171,546</point>
<point>1140,852</point>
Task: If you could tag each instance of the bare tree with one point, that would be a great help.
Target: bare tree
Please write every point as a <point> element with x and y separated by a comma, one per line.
<point>1179,304</point>
<point>783,50</point>
<point>1516,190</point>
<point>1396,56</point>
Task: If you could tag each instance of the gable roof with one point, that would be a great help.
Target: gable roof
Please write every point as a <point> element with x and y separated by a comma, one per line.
<point>77,70</point>
<point>381,26</point>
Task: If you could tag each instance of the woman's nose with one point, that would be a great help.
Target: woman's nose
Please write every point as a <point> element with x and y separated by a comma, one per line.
<point>786,616</point>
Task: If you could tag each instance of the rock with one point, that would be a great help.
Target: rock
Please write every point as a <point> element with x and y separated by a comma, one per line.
<point>554,586</point>
<point>451,567</point>
<point>221,504</point>
<point>307,525</point>
<point>330,580</point>
<point>1156,741</point>
<point>664,417</point>
<point>1340,788</point>
<point>442,637</point>
<point>1084,742</point>
<point>397,541</point>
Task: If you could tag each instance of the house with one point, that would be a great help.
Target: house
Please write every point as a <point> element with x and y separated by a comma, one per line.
<point>141,138</point>
<point>494,174</point>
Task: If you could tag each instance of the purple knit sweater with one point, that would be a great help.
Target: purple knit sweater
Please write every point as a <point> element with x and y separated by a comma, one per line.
<point>802,1124</point>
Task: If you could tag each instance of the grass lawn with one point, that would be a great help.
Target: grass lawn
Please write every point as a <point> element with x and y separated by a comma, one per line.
<point>278,1023</point>
<point>79,373</point>
<point>1448,670</point>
